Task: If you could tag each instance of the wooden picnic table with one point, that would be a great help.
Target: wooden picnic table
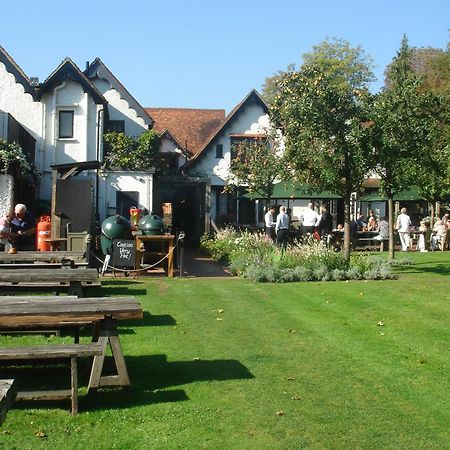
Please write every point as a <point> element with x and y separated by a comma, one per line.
<point>34,312</point>
<point>75,280</point>
<point>33,256</point>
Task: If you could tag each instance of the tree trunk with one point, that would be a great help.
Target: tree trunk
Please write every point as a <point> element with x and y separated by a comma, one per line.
<point>391,227</point>
<point>347,228</point>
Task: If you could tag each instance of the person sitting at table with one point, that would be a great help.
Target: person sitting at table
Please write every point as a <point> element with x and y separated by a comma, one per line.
<point>372,224</point>
<point>361,223</point>
<point>5,224</point>
<point>23,228</point>
<point>439,236</point>
<point>383,229</point>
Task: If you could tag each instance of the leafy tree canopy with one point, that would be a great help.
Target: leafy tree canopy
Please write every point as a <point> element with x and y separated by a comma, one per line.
<point>127,153</point>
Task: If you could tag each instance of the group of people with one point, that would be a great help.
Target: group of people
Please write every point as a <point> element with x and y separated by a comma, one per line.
<point>17,229</point>
<point>277,228</point>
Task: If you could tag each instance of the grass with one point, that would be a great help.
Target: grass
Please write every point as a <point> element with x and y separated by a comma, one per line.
<point>227,363</point>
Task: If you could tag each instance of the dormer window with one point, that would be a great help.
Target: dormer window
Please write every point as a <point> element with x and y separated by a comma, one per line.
<point>65,127</point>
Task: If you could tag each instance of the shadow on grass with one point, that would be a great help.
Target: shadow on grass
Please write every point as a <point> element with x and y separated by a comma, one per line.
<point>437,268</point>
<point>153,380</point>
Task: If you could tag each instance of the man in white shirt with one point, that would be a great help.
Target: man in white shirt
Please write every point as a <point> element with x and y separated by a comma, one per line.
<point>270,223</point>
<point>309,219</point>
<point>282,227</point>
<point>403,224</point>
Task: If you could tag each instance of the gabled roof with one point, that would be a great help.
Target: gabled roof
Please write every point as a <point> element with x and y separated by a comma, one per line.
<point>98,69</point>
<point>169,135</point>
<point>68,70</point>
<point>190,127</point>
<point>13,68</point>
<point>252,98</point>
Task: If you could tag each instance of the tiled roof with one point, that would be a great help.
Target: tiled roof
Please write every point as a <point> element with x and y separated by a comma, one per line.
<point>186,125</point>
<point>371,183</point>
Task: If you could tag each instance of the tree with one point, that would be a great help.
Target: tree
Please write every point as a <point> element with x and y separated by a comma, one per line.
<point>406,132</point>
<point>15,162</point>
<point>128,154</point>
<point>322,112</point>
<point>256,164</point>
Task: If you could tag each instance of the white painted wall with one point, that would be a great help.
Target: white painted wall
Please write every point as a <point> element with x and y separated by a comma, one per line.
<point>113,181</point>
<point>83,146</point>
<point>251,120</point>
<point>119,109</point>
<point>14,100</point>
<point>168,146</point>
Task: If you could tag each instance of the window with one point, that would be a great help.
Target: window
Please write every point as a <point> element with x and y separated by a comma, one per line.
<point>65,124</point>
<point>219,151</point>
<point>117,126</point>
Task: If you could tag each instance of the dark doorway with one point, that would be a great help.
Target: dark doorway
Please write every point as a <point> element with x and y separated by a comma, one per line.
<point>126,200</point>
<point>74,204</point>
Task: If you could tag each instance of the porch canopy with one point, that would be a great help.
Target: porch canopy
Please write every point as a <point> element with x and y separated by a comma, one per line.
<point>290,190</point>
<point>406,195</point>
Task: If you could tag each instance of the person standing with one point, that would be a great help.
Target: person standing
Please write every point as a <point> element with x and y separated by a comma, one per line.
<point>403,224</point>
<point>270,223</point>
<point>325,224</point>
<point>23,228</point>
<point>5,224</point>
<point>282,227</point>
<point>309,219</point>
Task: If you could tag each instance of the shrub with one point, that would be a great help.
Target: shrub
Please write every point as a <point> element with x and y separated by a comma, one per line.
<point>253,256</point>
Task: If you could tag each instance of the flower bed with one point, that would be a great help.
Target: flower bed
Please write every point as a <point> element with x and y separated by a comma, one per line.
<point>253,256</point>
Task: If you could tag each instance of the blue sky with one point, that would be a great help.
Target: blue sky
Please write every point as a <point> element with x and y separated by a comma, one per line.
<point>209,54</point>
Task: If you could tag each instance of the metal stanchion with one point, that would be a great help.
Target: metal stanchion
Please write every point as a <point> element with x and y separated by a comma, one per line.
<point>181,251</point>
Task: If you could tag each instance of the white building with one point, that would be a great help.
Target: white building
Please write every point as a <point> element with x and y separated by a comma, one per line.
<point>67,115</point>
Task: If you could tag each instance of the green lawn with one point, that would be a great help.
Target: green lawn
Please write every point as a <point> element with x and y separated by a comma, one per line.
<point>227,363</point>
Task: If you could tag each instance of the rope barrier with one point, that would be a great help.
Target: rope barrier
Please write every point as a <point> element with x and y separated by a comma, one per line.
<point>142,269</point>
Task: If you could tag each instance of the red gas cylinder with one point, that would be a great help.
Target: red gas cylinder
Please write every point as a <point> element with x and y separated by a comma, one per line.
<point>43,231</point>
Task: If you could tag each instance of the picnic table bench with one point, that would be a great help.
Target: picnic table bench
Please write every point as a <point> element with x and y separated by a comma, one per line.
<point>33,312</point>
<point>7,396</point>
<point>75,281</point>
<point>22,257</point>
<point>52,352</point>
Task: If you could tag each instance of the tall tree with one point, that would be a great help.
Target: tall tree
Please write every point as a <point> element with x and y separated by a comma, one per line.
<point>406,134</point>
<point>257,164</point>
<point>322,110</point>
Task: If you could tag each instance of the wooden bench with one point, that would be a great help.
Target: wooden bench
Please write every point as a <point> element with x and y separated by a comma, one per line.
<point>7,396</point>
<point>370,243</point>
<point>52,352</point>
<point>75,281</point>
<point>33,256</point>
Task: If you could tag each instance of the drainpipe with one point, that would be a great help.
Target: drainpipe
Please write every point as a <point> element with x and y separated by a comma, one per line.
<point>99,130</point>
<point>54,110</point>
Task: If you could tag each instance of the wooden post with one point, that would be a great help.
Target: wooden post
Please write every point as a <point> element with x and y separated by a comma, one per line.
<point>55,219</point>
<point>74,384</point>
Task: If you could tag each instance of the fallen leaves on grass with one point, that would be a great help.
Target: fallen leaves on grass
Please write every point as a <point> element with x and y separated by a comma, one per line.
<point>40,434</point>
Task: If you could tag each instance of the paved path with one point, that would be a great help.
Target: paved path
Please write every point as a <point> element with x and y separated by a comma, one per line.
<point>197,264</point>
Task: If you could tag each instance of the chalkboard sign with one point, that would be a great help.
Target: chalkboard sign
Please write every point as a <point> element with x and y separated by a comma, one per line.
<point>124,253</point>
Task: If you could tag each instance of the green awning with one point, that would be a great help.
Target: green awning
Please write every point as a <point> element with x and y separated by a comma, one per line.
<point>289,190</point>
<point>406,195</point>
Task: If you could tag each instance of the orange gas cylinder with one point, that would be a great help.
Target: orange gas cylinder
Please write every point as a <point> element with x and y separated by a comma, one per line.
<point>135,215</point>
<point>43,231</point>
